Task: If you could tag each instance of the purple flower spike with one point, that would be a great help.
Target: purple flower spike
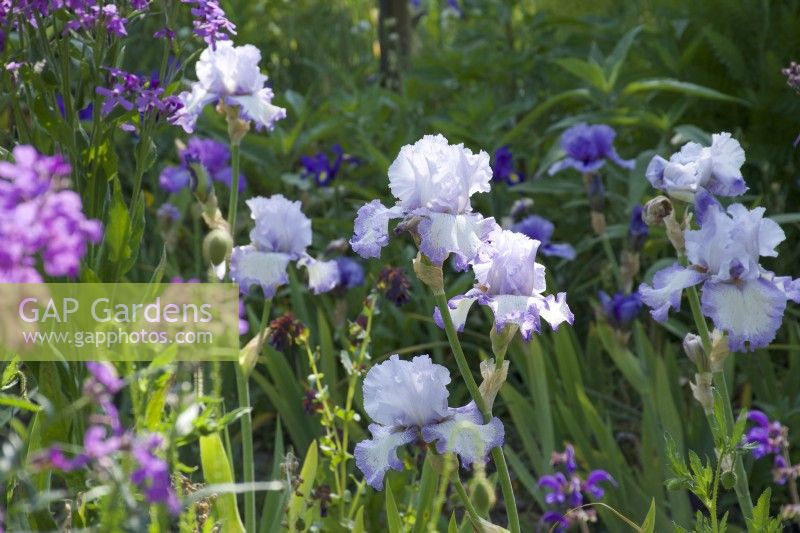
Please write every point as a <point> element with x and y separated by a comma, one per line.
<point>587,148</point>
<point>408,402</point>
<point>210,23</point>
<point>40,216</point>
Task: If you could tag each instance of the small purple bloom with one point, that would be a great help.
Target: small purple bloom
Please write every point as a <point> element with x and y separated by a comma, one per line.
<point>567,490</point>
<point>173,179</point>
<point>324,169</point>
<point>587,148</point>
<point>153,474</point>
<point>638,230</point>
<point>771,438</point>
<point>210,22</point>
<point>168,212</point>
<point>351,273</point>
<point>541,229</point>
<point>621,309</point>
<point>503,168</point>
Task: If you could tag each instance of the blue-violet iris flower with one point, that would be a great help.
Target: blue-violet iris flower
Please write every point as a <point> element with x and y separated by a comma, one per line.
<point>587,148</point>
<point>540,229</point>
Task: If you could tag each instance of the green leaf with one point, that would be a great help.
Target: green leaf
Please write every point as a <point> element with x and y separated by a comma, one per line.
<point>649,524</point>
<point>452,526</point>
<point>216,470</point>
<point>393,519</point>
<point>301,501</point>
<point>588,71</point>
<point>425,496</point>
<point>616,59</point>
<point>761,521</point>
<point>123,235</point>
<point>9,400</point>
<point>358,523</point>
<point>681,87</point>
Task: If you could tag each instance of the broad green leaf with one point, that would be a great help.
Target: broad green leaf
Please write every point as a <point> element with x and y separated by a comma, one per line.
<point>616,59</point>
<point>588,71</point>
<point>681,87</point>
<point>15,402</point>
<point>216,470</point>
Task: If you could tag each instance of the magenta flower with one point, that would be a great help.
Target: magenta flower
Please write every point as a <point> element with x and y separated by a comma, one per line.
<point>40,217</point>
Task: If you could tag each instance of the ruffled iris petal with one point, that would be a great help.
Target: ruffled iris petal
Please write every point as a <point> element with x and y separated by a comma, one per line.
<point>727,158</point>
<point>750,312</point>
<point>442,234</point>
<point>252,267</point>
<point>259,108</point>
<point>459,309</point>
<point>406,393</point>
<point>668,285</point>
<point>464,433</point>
<point>371,230</point>
<point>374,457</point>
<point>323,276</point>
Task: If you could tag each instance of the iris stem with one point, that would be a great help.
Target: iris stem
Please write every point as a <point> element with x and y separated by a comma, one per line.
<point>721,386</point>
<point>242,381</point>
<point>462,494</point>
<point>472,386</point>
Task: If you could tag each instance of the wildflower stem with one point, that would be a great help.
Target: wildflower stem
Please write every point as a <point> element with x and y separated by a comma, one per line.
<point>472,386</point>
<point>612,259</point>
<point>462,494</point>
<point>741,486</point>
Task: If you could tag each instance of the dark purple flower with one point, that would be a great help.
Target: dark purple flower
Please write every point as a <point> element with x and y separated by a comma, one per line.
<point>323,168</point>
<point>638,230</point>
<point>541,229</point>
<point>214,156</point>
<point>210,22</point>
<point>503,167</point>
<point>351,273</point>
<point>767,436</point>
<point>567,490</point>
<point>130,91</point>
<point>83,114</point>
<point>621,309</point>
<point>587,148</point>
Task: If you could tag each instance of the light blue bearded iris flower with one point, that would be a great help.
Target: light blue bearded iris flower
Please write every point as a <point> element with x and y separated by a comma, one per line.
<point>407,400</point>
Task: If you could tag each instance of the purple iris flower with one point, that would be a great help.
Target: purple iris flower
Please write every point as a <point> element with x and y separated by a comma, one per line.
<point>588,147</point>
<point>323,168</point>
<point>638,231</point>
<point>540,229</point>
<point>503,168</point>
<point>621,309</point>
<point>567,489</point>
<point>212,154</point>
<point>351,273</point>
